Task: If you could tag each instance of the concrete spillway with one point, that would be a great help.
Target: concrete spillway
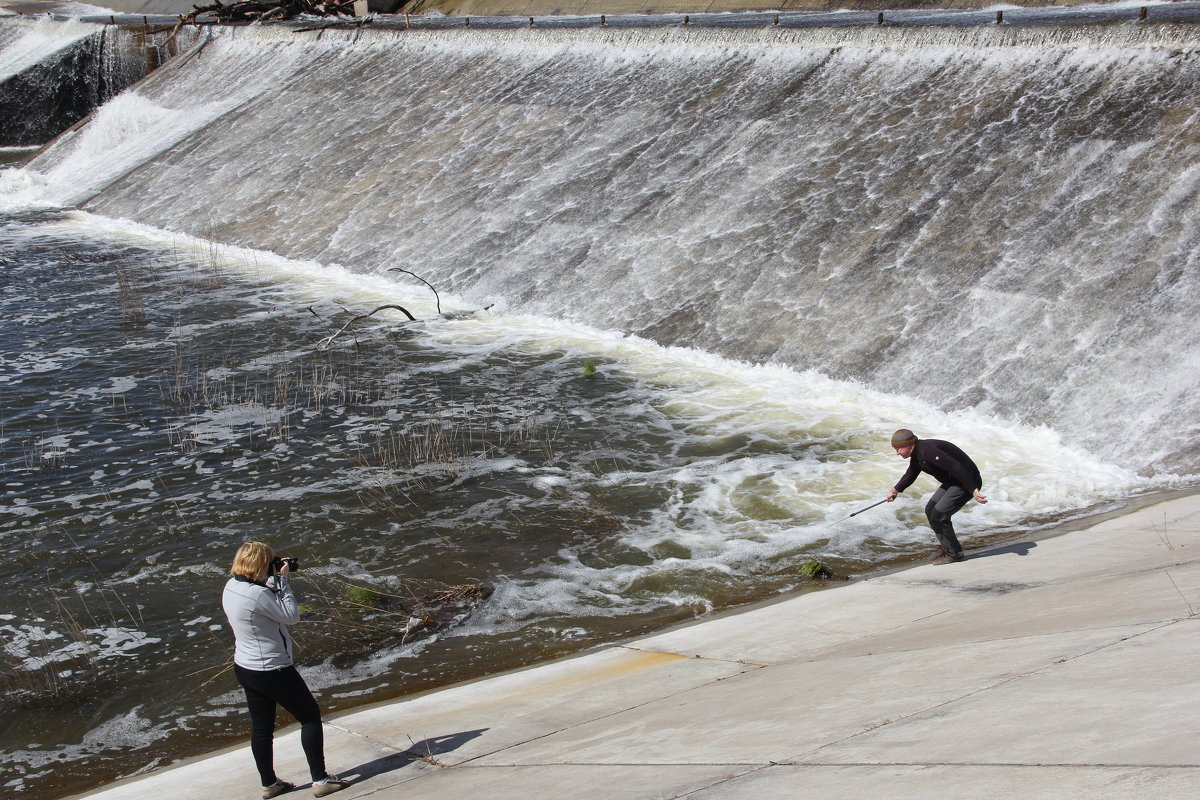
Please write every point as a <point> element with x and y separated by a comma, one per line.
<point>990,217</point>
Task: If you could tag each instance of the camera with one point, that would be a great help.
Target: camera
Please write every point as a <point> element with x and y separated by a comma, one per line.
<point>277,564</point>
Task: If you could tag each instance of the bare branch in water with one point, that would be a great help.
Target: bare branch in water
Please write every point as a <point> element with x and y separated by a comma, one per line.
<point>422,280</point>
<point>312,311</point>
<point>328,340</point>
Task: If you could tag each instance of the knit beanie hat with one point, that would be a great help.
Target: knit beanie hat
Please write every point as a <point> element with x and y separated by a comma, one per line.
<point>903,438</point>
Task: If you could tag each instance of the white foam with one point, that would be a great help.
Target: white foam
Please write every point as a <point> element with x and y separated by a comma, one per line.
<point>122,134</point>
<point>820,451</point>
<point>126,731</point>
<point>717,396</point>
<point>76,9</point>
<point>327,285</point>
<point>37,646</point>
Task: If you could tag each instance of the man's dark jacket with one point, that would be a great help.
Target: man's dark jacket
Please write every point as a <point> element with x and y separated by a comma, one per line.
<point>945,462</point>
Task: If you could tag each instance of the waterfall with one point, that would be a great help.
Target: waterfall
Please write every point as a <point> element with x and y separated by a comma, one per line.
<point>52,74</point>
<point>1003,219</point>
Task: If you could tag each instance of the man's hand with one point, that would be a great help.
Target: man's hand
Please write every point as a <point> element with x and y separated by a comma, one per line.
<point>893,494</point>
<point>978,497</point>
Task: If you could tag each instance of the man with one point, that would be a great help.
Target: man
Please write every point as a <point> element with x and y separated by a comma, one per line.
<point>960,482</point>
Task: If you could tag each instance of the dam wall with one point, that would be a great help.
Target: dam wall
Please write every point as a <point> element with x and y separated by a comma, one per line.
<point>996,218</point>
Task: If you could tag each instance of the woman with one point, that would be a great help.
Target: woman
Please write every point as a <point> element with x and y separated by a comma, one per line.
<point>259,611</point>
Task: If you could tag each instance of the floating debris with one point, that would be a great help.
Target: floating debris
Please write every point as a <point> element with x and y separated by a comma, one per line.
<point>352,620</point>
<point>265,10</point>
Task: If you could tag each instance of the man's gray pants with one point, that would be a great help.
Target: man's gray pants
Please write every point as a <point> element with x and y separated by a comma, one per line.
<point>944,503</point>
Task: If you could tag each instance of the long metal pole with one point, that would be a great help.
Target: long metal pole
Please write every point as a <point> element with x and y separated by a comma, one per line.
<point>868,508</point>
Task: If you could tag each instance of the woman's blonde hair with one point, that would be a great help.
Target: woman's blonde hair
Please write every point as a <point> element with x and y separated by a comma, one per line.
<point>253,559</point>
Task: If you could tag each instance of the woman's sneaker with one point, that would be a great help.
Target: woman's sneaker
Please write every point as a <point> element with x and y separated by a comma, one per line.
<point>332,784</point>
<point>277,788</point>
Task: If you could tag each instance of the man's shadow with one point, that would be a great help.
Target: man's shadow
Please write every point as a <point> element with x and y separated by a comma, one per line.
<point>427,749</point>
<point>1020,548</point>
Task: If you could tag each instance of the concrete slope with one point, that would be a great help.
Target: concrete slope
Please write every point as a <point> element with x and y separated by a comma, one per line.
<point>1057,668</point>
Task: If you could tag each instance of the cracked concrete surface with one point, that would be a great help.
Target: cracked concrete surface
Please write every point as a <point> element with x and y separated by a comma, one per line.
<point>1062,668</point>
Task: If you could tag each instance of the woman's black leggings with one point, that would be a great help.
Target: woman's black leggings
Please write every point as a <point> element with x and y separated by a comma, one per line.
<point>285,687</point>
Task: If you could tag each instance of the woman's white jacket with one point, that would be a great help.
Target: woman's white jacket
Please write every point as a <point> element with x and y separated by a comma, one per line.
<point>259,618</point>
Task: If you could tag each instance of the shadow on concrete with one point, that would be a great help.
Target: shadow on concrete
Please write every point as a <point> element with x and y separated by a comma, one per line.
<point>424,750</point>
<point>1019,548</point>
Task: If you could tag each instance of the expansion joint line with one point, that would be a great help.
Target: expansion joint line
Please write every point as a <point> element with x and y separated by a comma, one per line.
<point>725,779</point>
<point>743,662</point>
<point>380,743</point>
<point>1002,682</point>
<point>417,757</point>
<point>1006,764</point>
<point>648,701</point>
<point>752,764</point>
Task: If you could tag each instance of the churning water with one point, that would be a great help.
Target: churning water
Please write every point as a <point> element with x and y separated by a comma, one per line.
<point>688,283</point>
